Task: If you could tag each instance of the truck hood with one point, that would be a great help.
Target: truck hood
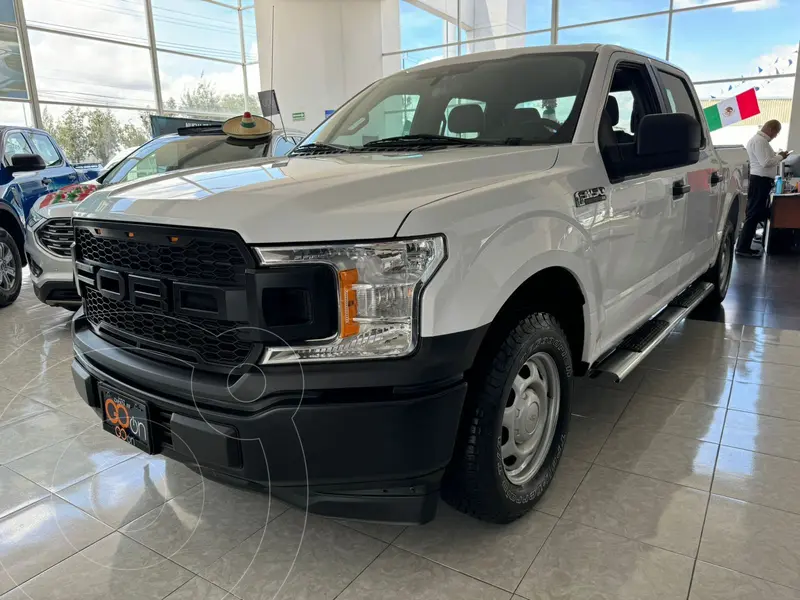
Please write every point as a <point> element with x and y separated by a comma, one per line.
<point>312,199</point>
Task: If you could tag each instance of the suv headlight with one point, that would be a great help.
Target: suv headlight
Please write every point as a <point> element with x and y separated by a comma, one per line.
<point>380,285</point>
<point>34,217</point>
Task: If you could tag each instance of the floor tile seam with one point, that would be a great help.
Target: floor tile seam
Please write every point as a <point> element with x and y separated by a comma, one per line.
<point>765,580</point>
<point>344,523</point>
<point>450,568</point>
<point>54,565</point>
<point>549,535</point>
<point>76,482</point>
<point>749,412</point>
<point>59,492</point>
<point>50,445</point>
<point>705,514</point>
<point>650,477</point>
<point>653,430</point>
<point>361,572</point>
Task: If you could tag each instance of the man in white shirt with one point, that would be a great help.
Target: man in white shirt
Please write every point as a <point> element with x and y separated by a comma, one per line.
<point>764,163</point>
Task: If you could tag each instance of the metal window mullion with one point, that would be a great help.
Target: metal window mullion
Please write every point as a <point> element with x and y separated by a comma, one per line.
<point>669,28</point>
<point>554,22</point>
<point>151,35</point>
<point>27,60</point>
<point>458,26</point>
<point>244,59</point>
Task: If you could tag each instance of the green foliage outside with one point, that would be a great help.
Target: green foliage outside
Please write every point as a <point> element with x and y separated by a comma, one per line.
<point>96,134</point>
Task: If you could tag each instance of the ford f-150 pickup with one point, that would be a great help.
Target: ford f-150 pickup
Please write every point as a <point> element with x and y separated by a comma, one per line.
<point>397,310</point>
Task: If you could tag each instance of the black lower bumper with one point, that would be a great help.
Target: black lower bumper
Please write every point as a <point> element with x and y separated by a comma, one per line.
<point>337,442</point>
<point>58,293</point>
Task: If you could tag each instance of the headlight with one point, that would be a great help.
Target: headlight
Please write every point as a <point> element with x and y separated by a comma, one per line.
<point>379,290</point>
<point>34,217</point>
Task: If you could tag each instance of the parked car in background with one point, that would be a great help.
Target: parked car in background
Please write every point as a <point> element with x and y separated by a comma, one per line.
<point>49,232</point>
<point>32,165</point>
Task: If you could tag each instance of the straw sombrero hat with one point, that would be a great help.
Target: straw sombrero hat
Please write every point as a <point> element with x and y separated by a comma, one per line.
<point>247,126</point>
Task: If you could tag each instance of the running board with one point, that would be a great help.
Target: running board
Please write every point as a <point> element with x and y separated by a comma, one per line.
<point>635,348</point>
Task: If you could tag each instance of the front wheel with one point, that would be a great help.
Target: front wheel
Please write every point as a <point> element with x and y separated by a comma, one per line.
<point>514,425</point>
<point>10,269</point>
<point>719,275</point>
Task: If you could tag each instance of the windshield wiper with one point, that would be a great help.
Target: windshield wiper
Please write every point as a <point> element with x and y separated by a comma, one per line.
<point>427,139</point>
<point>320,148</point>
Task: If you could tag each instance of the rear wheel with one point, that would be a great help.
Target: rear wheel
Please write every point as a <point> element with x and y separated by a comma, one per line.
<point>719,275</point>
<point>10,269</point>
<point>514,424</point>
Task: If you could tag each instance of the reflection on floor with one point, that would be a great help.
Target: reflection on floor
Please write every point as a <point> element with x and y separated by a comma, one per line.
<point>764,292</point>
<point>681,482</point>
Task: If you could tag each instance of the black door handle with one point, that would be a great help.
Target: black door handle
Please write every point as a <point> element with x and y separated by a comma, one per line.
<point>680,189</point>
<point>715,178</point>
<point>47,180</point>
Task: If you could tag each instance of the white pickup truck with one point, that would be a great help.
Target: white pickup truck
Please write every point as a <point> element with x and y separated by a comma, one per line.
<point>398,309</point>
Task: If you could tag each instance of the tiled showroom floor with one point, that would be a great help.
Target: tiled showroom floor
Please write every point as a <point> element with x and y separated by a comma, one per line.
<point>684,481</point>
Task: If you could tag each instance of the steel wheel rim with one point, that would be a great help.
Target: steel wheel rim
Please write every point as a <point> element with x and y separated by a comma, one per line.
<point>530,418</point>
<point>8,268</point>
<point>725,264</point>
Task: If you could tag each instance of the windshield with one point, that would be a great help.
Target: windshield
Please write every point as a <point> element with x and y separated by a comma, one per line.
<point>524,99</point>
<point>170,153</point>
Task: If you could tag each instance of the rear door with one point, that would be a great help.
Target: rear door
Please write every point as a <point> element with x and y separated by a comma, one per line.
<point>58,173</point>
<point>703,201</point>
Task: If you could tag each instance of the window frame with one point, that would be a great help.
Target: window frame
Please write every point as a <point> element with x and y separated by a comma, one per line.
<point>6,134</point>
<point>646,64</point>
<point>29,136</point>
<point>660,68</point>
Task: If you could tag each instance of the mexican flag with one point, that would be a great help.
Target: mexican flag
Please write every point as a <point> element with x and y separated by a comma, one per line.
<point>740,107</point>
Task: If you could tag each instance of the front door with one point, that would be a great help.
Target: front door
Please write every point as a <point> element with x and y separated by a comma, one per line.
<point>703,201</point>
<point>58,173</point>
<point>28,183</point>
<point>640,255</point>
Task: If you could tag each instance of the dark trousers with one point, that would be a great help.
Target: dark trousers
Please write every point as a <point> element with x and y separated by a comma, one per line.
<point>757,209</point>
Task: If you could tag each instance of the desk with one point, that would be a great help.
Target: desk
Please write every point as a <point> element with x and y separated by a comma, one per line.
<point>784,219</point>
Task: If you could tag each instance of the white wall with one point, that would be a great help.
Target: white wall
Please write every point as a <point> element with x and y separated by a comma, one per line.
<point>325,52</point>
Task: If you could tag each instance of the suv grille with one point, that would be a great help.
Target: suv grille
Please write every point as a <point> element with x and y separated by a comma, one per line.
<point>57,236</point>
<point>199,260</point>
<point>191,339</point>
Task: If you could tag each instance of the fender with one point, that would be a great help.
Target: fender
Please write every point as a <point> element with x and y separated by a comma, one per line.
<point>498,237</point>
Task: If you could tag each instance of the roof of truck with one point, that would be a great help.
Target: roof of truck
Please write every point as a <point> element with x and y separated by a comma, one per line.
<point>511,52</point>
<point>3,128</point>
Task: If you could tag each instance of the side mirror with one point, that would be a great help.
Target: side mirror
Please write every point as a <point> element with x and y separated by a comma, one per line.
<point>668,140</point>
<point>27,162</point>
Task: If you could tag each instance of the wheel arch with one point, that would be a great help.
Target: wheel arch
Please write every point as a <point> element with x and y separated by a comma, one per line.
<point>10,222</point>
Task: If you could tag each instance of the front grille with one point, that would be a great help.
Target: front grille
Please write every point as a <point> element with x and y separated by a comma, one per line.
<point>220,261</point>
<point>182,308</point>
<point>57,236</point>
<point>187,338</point>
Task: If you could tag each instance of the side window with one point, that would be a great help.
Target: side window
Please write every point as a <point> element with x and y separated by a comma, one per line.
<point>632,96</point>
<point>282,146</point>
<point>16,144</point>
<point>679,98</point>
<point>45,148</point>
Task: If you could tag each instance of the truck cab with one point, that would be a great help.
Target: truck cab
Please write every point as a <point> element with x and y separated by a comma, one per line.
<point>398,309</point>
<point>32,165</point>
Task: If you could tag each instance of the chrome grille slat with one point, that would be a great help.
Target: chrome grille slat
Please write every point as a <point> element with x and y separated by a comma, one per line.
<point>56,235</point>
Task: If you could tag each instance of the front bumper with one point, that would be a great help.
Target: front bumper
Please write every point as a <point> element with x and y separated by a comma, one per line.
<point>52,276</point>
<point>366,440</point>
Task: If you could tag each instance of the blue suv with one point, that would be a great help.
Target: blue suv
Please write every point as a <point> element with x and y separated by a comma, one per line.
<point>32,165</point>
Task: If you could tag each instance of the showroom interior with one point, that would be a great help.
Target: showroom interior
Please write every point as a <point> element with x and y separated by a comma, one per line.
<point>402,357</point>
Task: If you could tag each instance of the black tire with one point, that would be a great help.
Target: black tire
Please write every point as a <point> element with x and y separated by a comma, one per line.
<point>9,293</point>
<point>476,481</point>
<point>719,275</point>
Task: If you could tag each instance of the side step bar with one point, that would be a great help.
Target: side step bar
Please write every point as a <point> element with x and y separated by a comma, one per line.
<point>635,348</point>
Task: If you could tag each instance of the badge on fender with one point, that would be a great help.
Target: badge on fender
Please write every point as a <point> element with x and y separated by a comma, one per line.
<point>590,196</point>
